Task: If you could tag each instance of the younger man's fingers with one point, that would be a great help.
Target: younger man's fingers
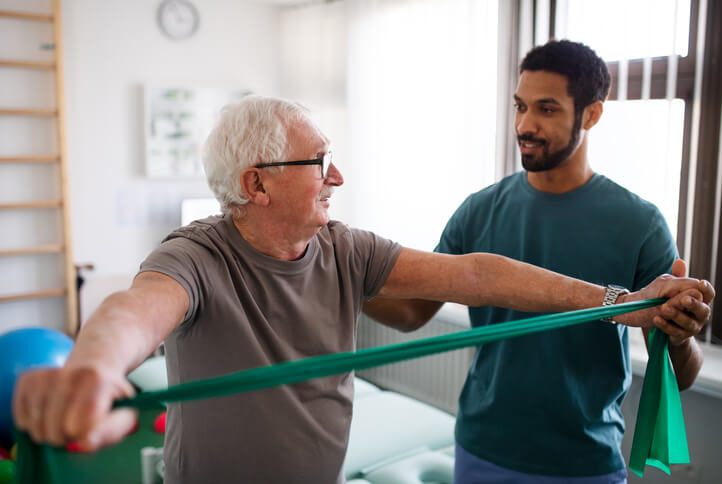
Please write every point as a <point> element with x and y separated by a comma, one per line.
<point>707,290</point>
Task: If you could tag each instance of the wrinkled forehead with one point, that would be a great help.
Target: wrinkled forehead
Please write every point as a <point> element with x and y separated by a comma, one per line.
<point>543,86</point>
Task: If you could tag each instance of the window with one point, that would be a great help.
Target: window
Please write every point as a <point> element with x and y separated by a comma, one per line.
<point>422,109</point>
<point>638,142</point>
<point>409,103</point>
<point>663,111</point>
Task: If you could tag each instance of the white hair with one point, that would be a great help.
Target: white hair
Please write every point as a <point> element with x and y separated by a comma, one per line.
<point>248,133</point>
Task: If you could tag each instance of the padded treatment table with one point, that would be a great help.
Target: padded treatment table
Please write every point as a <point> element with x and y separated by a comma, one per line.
<point>151,375</point>
<point>388,426</point>
<point>436,467</point>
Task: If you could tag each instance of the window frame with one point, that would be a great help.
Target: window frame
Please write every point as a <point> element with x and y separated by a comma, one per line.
<point>699,77</point>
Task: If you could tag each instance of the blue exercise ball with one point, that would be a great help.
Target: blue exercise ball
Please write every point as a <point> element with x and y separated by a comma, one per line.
<point>21,350</point>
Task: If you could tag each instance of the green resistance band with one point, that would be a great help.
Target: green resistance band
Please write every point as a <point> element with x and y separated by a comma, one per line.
<point>659,434</point>
<point>332,364</point>
<point>659,437</point>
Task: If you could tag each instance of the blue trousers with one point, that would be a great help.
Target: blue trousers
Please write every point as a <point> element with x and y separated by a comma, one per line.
<point>470,469</point>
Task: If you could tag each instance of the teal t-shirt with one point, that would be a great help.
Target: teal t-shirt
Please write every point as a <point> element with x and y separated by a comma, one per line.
<point>549,403</point>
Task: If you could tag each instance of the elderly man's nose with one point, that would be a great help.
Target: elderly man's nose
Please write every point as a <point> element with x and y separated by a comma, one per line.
<point>334,176</point>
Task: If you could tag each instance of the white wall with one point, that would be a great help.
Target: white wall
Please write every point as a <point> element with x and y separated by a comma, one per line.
<point>112,48</point>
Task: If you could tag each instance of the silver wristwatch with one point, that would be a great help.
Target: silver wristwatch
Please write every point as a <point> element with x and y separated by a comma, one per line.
<point>610,298</point>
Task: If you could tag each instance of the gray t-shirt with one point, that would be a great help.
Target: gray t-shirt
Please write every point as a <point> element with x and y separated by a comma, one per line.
<point>249,310</point>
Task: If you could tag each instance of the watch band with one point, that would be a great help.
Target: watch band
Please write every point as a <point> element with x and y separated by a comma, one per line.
<point>610,298</point>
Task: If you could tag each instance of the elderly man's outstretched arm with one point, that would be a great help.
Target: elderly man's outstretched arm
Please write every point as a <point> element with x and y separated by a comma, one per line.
<point>74,403</point>
<point>420,282</point>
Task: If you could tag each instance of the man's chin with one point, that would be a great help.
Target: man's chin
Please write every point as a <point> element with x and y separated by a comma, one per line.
<point>545,164</point>
<point>533,165</point>
<point>324,219</point>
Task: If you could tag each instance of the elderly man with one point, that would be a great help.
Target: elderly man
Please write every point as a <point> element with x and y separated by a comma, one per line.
<point>271,280</point>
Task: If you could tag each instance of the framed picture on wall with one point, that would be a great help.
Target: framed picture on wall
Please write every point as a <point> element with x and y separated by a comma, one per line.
<point>177,119</point>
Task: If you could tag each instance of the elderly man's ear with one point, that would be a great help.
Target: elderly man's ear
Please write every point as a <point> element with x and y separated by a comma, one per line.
<point>252,186</point>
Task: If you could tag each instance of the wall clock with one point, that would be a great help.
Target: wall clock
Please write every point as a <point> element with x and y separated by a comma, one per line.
<point>178,19</point>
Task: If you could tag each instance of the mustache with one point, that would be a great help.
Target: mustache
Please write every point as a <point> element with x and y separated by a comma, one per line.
<point>528,137</point>
<point>326,193</point>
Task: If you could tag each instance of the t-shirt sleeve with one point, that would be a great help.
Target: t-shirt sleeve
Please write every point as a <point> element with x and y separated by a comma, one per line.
<point>657,253</point>
<point>178,258</point>
<point>451,240</point>
<point>374,256</point>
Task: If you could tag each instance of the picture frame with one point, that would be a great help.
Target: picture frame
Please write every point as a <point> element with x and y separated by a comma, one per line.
<point>177,120</point>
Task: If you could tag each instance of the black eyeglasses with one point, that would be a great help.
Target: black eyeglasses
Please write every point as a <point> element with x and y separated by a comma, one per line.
<point>324,161</point>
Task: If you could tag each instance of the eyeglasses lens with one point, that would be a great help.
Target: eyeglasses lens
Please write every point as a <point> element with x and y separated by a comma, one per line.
<point>326,163</point>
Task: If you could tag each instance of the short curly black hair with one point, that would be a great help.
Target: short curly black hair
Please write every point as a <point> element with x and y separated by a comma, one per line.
<point>587,75</point>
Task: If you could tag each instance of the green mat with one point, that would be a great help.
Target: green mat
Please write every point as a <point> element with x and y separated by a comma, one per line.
<point>119,464</point>
<point>659,434</point>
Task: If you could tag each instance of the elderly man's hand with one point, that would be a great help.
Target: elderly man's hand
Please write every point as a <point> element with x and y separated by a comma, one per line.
<point>60,406</point>
<point>683,315</point>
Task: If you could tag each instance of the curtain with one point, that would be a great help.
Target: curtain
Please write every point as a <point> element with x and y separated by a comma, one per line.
<point>407,92</point>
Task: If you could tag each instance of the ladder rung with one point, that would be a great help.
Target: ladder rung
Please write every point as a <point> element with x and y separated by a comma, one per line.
<point>40,17</point>
<point>30,159</point>
<point>33,295</point>
<point>35,204</point>
<point>38,249</point>
<point>28,111</point>
<point>50,65</point>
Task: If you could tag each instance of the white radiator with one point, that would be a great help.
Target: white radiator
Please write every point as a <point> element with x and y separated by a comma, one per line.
<point>435,379</point>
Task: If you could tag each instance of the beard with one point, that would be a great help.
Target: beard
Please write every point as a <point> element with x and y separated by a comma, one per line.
<point>550,159</point>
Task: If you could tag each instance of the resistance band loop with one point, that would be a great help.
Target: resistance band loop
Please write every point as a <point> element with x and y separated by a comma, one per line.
<point>332,364</point>
<point>659,436</point>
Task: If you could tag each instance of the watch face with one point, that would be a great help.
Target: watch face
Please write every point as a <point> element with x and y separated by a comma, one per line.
<point>178,19</point>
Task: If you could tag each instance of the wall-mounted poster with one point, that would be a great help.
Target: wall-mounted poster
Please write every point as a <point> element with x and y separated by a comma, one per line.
<point>177,121</point>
